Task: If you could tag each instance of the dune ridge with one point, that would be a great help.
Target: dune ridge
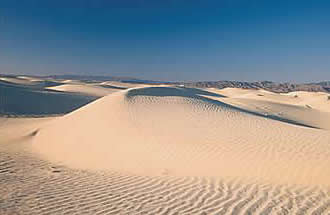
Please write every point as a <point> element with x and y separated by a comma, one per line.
<point>166,130</point>
<point>18,80</point>
<point>170,150</point>
<point>86,89</point>
<point>308,108</point>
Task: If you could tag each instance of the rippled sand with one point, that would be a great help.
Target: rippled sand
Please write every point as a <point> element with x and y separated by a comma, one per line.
<point>171,150</point>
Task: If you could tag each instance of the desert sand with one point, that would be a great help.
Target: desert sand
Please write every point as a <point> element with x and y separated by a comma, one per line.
<point>19,80</point>
<point>121,85</point>
<point>98,89</point>
<point>171,150</point>
<point>32,79</point>
<point>87,89</point>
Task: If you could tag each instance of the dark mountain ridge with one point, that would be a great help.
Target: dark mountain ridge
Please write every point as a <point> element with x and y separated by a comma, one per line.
<point>322,86</point>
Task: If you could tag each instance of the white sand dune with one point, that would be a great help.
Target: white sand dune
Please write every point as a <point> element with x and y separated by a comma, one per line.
<point>17,80</point>
<point>87,89</point>
<point>33,186</point>
<point>68,81</point>
<point>302,114</point>
<point>123,85</point>
<point>305,107</point>
<point>167,150</point>
<point>32,79</point>
<point>159,130</point>
<point>12,129</point>
<point>317,100</point>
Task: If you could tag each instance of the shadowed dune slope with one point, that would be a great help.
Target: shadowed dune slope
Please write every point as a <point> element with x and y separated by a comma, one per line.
<point>20,100</point>
<point>178,131</point>
<point>308,108</point>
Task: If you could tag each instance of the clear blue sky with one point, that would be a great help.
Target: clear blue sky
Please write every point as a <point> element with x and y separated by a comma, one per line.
<point>279,40</point>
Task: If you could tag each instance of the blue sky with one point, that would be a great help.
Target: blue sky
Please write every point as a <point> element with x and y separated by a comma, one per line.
<point>168,40</point>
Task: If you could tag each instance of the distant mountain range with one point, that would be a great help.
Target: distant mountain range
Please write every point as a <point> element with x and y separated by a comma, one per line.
<point>266,85</point>
<point>323,86</point>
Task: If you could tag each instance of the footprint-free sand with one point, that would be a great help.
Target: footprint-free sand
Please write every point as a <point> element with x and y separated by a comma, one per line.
<point>171,150</point>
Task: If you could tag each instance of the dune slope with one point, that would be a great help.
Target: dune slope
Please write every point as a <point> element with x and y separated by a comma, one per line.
<point>307,108</point>
<point>86,89</point>
<point>174,131</point>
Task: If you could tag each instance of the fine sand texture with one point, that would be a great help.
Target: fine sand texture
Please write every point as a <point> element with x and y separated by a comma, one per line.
<point>309,108</point>
<point>171,150</point>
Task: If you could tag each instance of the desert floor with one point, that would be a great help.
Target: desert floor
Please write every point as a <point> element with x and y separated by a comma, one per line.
<point>120,148</point>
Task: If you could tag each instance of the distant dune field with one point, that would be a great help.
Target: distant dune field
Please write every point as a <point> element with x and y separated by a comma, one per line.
<point>141,149</point>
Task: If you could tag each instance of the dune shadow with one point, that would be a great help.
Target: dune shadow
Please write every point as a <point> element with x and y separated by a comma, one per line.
<point>36,85</point>
<point>34,133</point>
<point>172,91</point>
<point>112,87</point>
<point>273,117</point>
<point>19,100</point>
<point>199,94</point>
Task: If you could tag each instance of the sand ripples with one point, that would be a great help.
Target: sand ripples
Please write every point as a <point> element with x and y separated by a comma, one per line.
<point>32,186</point>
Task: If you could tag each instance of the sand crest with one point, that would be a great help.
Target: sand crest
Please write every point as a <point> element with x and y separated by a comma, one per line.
<point>170,150</point>
<point>156,129</point>
<point>86,89</point>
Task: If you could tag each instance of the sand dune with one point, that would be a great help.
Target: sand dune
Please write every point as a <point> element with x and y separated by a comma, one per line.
<point>33,186</point>
<point>305,107</point>
<point>68,81</point>
<point>87,89</point>
<point>168,150</point>
<point>18,80</point>
<point>315,100</point>
<point>159,130</point>
<point>22,127</point>
<point>100,89</point>
<point>319,100</point>
<point>32,79</point>
<point>122,85</point>
<point>308,116</point>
